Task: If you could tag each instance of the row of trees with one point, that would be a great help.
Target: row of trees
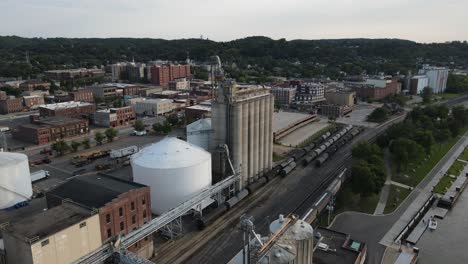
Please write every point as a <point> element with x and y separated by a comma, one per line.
<point>379,115</point>
<point>61,146</point>
<point>413,139</point>
<point>368,173</point>
<point>256,57</point>
<point>457,84</point>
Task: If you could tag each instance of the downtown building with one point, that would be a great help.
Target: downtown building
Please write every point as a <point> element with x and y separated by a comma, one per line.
<point>163,74</point>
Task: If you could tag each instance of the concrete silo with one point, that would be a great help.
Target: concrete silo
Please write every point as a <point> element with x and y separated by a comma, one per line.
<point>15,179</point>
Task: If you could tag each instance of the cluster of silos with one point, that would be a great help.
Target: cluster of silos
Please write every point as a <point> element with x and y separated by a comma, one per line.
<point>243,119</point>
<point>294,246</point>
<point>174,170</point>
<point>15,179</point>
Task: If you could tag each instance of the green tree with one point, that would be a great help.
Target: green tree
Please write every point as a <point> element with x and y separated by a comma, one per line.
<point>99,137</point>
<point>158,128</point>
<point>111,133</point>
<point>404,151</point>
<point>363,179</point>
<point>173,120</point>
<point>139,125</point>
<point>75,145</point>
<point>425,139</point>
<point>60,147</point>
<point>460,114</point>
<point>86,143</point>
<point>426,95</point>
<point>379,115</point>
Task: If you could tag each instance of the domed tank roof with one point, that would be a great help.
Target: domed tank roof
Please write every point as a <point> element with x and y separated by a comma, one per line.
<point>199,125</point>
<point>170,153</point>
<point>9,158</point>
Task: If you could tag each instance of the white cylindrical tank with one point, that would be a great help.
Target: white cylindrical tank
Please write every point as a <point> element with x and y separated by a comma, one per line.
<point>200,133</point>
<point>15,179</point>
<point>174,170</point>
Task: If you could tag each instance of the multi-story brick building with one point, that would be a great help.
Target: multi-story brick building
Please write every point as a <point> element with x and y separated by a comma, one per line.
<point>163,74</point>
<point>104,90</point>
<point>283,95</point>
<point>129,89</point>
<point>309,94</point>
<point>82,95</point>
<point>123,206</point>
<point>67,109</point>
<point>46,130</point>
<point>11,105</point>
<point>115,117</point>
<point>179,84</point>
<point>340,97</point>
<point>335,111</point>
<point>73,73</point>
<point>377,89</point>
<point>33,101</point>
<point>34,85</point>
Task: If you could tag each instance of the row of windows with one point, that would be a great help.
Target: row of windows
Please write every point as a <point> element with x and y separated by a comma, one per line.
<point>132,208</point>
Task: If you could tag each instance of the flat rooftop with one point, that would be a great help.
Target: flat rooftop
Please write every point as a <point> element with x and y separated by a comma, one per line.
<point>93,191</point>
<point>284,119</point>
<point>71,104</point>
<point>200,107</point>
<point>49,222</point>
<point>57,120</point>
<point>341,249</point>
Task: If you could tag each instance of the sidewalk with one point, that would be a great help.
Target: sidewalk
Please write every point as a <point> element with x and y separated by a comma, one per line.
<point>379,209</point>
<point>423,190</point>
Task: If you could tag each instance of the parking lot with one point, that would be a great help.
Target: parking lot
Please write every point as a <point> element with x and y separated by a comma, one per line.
<point>359,115</point>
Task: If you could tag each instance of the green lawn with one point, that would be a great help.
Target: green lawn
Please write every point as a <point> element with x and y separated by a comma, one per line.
<point>396,196</point>
<point>444,183</point>
<point>317,135</point>
<point>422,169</point>
<point>464,155</point>
<point>446,96</point>
<point>456,168</point>
<point>349,201</point>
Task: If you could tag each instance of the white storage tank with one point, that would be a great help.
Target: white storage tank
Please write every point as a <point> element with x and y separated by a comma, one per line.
<point>200,133</point>
<point>15,179</point>
<point>175,171</point>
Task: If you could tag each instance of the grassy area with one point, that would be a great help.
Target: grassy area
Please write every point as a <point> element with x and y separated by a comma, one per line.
<point>446,96</point>
<point>317,135</point>
<point>464,155</point>
<point>277,157</point>
<point>422,169</point>
<point>444,183</point>
<point>456,168</point>
<point>349,201</point>
<point>396,196</point>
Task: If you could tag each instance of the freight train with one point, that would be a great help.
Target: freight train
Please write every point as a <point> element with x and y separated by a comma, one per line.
<point>320,151</point>
<point>321,203</point>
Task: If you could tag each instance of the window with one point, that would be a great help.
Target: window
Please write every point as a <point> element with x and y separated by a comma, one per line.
<point>107,218</point>
<point>133,219</point>
<point>132,205</point>
<point>82,224</point>
<point>109,233</point>
<point>146,238</point>
<point>143,202</point>
<point>120,211</point>
<point>45,243</point>
<point>144,213</point>
<point>121,226</point>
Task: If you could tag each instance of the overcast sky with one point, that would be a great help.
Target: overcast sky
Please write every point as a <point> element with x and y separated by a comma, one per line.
<point>418,20</point>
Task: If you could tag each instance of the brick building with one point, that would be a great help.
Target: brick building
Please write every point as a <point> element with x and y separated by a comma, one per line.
<point>340,97</point>
<point>73,73</point>
<point>67,109</point>
<point>104,90</point>
<point>34,85</point>
<point>335,110</point>
<point>33,101</point>
<point>115,117</point>
<point>284,95</point>
<point>377,89</point>
<point>129,89</point>
<point>196,112</point>
<point>163,74</point>
<point>11,105</point>
<point>82,95</point>
<point>123,206</point>
<point>46,130</point>
<point>308,94</point>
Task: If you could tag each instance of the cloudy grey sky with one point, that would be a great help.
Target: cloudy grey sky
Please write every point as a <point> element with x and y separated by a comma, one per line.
<point>419,20</point>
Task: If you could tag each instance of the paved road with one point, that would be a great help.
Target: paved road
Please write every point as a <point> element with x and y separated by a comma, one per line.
<point>372,229</point>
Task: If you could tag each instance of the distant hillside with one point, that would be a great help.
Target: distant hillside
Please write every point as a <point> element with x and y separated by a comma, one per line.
<point>301,58</point>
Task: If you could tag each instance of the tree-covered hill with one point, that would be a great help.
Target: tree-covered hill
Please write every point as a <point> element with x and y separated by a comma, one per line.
<point>301,58</point>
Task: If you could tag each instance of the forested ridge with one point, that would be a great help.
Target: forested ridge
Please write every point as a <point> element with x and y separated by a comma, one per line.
<point>252,56</point>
